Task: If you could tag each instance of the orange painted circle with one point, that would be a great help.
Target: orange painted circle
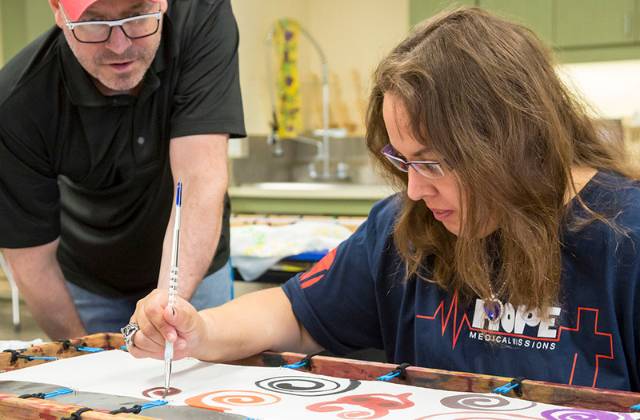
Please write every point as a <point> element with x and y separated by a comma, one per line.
<point>225,399</point>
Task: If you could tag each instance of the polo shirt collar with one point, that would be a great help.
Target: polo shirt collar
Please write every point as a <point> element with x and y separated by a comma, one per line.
<point>83,92</point>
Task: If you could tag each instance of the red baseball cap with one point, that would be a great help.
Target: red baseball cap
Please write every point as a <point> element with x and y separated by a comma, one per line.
<point>75,8</point>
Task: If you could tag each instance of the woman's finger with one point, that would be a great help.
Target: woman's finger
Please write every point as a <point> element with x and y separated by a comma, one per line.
<point>148,330</point>
<point>138,354</point>
<point>149,313</point>
<point>143,343</point>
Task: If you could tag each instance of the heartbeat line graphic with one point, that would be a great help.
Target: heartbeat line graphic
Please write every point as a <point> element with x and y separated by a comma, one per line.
<point>601,342</point>
<point>444,320</point>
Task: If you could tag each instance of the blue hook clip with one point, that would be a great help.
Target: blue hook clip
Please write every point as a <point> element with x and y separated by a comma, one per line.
<point>151,404</point>
<point>514,385</point>
<point>58,392</point>
<point>399,371</point>
<point>89,349</point>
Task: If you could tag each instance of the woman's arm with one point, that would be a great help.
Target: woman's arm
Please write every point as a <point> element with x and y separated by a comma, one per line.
<point>251,324</point>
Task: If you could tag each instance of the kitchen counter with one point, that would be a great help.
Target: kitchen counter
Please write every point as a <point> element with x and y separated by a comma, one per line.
<point>306,198</point>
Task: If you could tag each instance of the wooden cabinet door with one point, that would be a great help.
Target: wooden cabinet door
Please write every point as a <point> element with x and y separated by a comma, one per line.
<point>586,23</point>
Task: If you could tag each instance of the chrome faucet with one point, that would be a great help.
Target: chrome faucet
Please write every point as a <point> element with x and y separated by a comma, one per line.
<point>322,144</point>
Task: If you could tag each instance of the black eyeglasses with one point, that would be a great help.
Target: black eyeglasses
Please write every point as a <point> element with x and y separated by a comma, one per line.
<point>431,169</point>
<point>98,31</point>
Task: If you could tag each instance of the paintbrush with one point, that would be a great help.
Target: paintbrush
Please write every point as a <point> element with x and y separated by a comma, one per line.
<point>173,287</point>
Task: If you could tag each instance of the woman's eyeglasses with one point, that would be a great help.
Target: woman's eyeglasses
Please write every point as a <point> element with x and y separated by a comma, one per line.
<point>431,169</point>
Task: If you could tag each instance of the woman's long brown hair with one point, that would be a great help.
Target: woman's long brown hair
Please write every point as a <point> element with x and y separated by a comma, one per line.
<point>482,92</point>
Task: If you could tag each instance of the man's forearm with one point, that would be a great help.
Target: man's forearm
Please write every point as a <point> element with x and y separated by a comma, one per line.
<point>201,216</point>
<point>200,162</point>
<point>41,284</point>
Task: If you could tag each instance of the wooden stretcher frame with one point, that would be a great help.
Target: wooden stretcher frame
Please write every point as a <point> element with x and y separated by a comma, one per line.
<point>12,407</point>
<point>543,392</point>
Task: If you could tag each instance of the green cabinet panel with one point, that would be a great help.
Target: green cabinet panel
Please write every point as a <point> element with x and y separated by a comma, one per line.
<point>536,15</point>
<point>609,53</point>
<point>636,23</point>
<point>39,18</point>
<point>578,30</point>
<point>13,27</point>
<point>22,21</point>
<point>589,23</point>
<point>419,10</point>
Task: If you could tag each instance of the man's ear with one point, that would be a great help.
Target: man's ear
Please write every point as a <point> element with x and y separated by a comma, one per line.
<point>55,8</point>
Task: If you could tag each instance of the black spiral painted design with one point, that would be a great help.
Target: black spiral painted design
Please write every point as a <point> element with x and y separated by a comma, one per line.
<point>485,402</point>
<point>305,386</point>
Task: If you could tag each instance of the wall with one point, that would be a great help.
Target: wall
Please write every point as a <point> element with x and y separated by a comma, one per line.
<point>255,18</point>
<point>39,18</point>
<point>354,35</point>
<point>12,27</point>
<point>611,88</point>
<point>1,38</point>
<point>21,21</point>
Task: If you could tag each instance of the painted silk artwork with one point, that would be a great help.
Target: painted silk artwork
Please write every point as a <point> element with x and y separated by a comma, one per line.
<point>281,393</point>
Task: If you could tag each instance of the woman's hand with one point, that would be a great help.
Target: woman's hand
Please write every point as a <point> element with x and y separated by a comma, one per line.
<point>183,326</point>
<point>248,325</point>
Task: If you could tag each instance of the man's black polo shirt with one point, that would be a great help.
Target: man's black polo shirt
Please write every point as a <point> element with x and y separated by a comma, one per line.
<point>94,170</point>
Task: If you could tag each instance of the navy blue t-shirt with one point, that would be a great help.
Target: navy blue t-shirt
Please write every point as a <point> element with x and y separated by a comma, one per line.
<point>356,298</point>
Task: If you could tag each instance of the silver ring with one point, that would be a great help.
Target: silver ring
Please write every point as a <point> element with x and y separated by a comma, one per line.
<point>128,332</point>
